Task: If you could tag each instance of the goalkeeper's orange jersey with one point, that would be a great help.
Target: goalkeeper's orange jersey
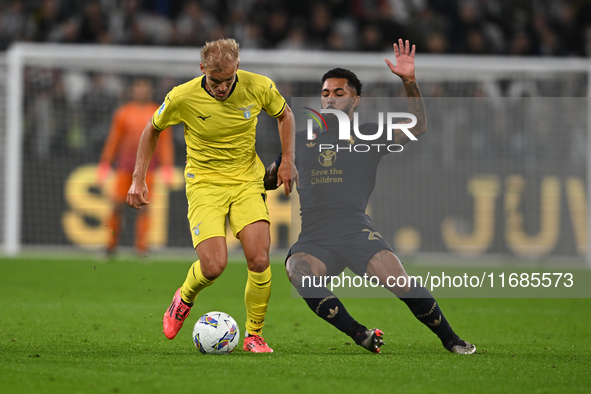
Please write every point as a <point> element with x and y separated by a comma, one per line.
<point>128,124</point>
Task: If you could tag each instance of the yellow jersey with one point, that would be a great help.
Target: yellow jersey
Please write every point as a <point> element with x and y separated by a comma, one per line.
<point>221,135</point>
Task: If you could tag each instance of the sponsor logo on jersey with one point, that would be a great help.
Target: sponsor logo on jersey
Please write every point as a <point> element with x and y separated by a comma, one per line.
<point>246,111</point>
<point>204,117</point>
<point>310,144</point>
<point>327,158</point>
<point>161,108</point>
<point>372,234</point>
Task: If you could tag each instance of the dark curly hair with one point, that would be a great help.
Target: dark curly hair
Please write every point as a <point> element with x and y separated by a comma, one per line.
<point>351,78</point>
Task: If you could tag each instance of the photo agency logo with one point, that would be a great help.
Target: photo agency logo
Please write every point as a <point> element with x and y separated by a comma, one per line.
<point>344,130</point>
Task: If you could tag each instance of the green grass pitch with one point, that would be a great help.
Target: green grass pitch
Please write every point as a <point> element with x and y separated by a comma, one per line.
<point>86,326</point>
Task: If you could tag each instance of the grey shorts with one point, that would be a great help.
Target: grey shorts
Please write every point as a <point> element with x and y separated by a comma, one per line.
<point>351,249</point>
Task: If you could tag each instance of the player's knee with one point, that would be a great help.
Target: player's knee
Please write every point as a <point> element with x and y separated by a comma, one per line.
<point>258,262</point>
<point>297,268</point>
<point>289,272</point>
<point>212,268</point>
<point>295,277</point>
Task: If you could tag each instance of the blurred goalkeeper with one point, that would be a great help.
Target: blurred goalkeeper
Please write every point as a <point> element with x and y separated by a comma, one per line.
<point>121,146</point>
<point>336,232</point>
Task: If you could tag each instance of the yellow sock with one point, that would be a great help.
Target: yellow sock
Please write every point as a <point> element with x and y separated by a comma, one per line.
<point>194,283</point>
<point>256,298</point>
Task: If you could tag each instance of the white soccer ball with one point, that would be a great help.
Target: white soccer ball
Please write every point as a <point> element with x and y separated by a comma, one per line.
<point>216,333</point>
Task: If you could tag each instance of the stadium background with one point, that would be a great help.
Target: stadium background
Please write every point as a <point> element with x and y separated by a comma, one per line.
<point>72,322</point>
<point>540,50</point>
<point>539,28</point>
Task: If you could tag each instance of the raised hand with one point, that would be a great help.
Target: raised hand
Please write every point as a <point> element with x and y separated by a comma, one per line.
<point>405,60</point>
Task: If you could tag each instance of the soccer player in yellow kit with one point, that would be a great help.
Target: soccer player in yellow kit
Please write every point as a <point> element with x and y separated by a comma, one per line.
<point>224,177</point>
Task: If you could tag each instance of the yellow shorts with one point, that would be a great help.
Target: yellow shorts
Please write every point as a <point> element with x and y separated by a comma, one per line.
<point>209,204</point>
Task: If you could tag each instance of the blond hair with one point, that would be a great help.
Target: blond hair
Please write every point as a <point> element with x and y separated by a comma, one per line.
<point>217,56</point>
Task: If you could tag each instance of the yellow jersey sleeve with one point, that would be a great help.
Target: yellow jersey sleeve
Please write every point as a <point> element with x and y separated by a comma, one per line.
<point>167,114</point>
<point>274,103</point>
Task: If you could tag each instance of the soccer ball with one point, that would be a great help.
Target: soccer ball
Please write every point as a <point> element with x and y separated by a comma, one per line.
<point>216,333</point>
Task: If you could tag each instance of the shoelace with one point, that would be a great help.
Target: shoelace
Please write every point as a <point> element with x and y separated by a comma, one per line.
<point>181,312</point>
<point>259,341</point>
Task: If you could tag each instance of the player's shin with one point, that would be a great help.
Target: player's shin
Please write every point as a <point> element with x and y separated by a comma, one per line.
<point>422,304</point>
<point>326,305</point>
<point>194,283</point>
<point>256,299</point>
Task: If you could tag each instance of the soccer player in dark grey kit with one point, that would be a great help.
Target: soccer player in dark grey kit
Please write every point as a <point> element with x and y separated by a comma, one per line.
<point>336,232</point>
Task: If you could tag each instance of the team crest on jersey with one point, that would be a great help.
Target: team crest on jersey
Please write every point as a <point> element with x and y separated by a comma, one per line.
<point>327,158</point>
<point>196,229</point>
<point>246,111</point>
<point>161,108</point>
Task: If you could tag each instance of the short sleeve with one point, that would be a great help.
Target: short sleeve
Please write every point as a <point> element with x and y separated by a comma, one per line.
<point>167,114</point>
<point>274,102</point>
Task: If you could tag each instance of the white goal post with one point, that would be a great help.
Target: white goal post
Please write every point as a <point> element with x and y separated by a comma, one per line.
<point>496,77</point>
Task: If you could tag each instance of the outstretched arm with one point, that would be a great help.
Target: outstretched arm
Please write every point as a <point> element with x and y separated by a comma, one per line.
<point>405,69</point>
<point>136,196</point>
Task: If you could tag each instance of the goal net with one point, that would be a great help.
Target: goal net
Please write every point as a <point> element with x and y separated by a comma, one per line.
<point>502,170</point>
